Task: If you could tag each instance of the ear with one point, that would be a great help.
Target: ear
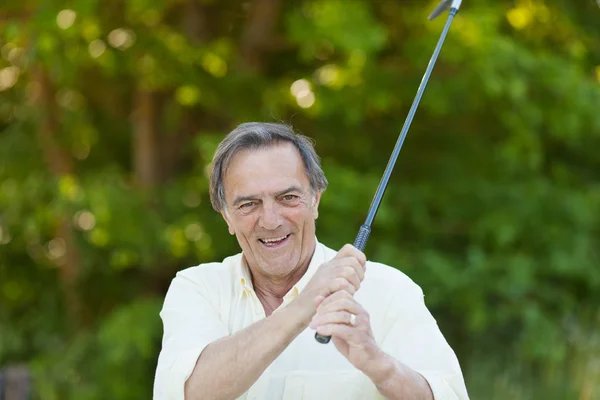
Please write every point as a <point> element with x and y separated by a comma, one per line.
<point>315,204</point>
<point>228,221</point>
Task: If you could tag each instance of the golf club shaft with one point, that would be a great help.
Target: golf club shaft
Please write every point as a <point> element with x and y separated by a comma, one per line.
<point>363,234</point>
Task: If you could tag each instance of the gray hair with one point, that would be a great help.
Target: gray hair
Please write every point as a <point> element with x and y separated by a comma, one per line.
<point>258,135</point>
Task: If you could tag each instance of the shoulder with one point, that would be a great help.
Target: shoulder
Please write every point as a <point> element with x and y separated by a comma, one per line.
<point>211,275</point>
<point>385,276</point>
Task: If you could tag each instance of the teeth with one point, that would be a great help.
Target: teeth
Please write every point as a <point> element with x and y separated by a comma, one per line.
<point>274,239</point>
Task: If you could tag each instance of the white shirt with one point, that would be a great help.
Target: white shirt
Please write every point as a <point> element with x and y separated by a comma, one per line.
<point>211,301</point>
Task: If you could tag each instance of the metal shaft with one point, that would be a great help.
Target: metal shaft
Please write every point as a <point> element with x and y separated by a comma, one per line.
<point>363,234</point>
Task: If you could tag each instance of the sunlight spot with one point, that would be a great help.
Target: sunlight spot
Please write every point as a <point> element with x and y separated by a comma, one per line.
<point>97,48</point>
<point>188,95</point>
<point>305,99</point>
<point>194,232</point>
<point>66,18</point>
<point>214,65</point>
<point>328,74</point>
<point>8,77</point>
<point>520,17</point>
<point>121,38</point>
<point>57,248</point>
<point>85,220</point>
<point>300,86</point>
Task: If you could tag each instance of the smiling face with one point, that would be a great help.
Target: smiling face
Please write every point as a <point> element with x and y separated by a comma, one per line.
<point>271,210</point>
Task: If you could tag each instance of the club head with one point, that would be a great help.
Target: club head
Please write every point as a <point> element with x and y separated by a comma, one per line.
<point>444,5</point>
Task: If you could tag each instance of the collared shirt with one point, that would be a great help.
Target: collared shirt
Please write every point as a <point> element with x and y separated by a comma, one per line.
<point>212,301</point>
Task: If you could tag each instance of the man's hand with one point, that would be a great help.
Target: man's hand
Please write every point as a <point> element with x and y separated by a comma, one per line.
<point>347,322</point>
<point>343,273</point>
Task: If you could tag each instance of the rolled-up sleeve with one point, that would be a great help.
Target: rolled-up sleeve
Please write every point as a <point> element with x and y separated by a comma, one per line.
<point>190,323</point>
<point>416,340</point>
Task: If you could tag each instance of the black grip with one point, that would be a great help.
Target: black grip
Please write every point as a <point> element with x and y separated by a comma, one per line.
<point>363,235</point>
<point>322,339</point>
<point>360,242</point>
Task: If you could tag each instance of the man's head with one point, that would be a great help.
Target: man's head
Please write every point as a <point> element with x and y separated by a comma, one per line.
<point>267,181</point>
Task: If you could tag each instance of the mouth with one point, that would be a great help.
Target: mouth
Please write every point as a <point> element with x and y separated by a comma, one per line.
<point>274,242</point>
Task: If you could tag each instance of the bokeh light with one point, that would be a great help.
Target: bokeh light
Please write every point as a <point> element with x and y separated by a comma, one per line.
<point>66,18</point>
<point>8,77</point>
<point>121,38</point>
<point>97,48</point>
<point>85,220</point>
<point>57,248</point>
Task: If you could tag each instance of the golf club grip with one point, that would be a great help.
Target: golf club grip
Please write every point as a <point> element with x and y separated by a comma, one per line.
<point>363,235</point>
<point>360,242</point>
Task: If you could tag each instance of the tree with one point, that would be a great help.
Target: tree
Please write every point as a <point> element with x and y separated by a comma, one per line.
<point>110,112</point>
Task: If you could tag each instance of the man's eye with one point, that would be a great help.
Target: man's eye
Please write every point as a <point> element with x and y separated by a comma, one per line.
<point>247,205</point>
<point>289,197</point>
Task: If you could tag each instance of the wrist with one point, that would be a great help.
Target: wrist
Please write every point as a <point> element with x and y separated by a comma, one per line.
<point>302,311</point>
<point>381,369</point>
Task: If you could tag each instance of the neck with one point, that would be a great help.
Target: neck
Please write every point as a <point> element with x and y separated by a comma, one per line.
<point>271,289</point>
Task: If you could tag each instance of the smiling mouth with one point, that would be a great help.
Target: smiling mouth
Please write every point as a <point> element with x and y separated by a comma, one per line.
<point>274,242</point>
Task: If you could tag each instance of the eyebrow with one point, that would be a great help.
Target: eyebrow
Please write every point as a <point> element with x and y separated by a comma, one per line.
<point>241,199</point>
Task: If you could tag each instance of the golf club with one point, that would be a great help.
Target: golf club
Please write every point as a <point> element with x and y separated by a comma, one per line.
<point>365,229</point>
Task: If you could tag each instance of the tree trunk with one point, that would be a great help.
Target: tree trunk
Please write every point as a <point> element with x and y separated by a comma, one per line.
<point>258,32</point>
<point>60,165</point>
<point>146,152</point>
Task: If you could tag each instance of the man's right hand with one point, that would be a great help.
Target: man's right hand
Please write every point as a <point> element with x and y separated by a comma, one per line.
<point>344,272</point>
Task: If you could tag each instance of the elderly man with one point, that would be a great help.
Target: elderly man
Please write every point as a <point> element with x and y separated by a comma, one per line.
<point>244,328</point>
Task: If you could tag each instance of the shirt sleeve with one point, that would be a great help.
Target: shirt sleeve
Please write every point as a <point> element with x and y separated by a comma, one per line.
<point>416,340</point>
<point>190,323</point>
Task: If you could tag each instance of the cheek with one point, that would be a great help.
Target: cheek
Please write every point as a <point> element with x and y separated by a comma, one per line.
<point>300,216</point>
<point>244,224</point>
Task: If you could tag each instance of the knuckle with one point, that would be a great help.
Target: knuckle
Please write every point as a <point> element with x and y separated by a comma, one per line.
<point>349,272</point>
<point>348,247</point>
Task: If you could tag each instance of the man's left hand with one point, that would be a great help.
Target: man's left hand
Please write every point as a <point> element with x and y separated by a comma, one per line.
<point>352,336</point>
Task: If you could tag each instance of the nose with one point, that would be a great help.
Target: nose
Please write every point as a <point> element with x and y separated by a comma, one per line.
<point>270,218</point>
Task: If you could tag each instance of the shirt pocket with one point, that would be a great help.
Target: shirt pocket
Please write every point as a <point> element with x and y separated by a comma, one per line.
<point>342,385</point>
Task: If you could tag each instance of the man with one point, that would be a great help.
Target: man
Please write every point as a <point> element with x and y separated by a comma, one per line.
<point>244,328</point>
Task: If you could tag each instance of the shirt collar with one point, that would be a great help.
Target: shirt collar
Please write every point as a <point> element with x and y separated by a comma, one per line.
<point>316,260</point>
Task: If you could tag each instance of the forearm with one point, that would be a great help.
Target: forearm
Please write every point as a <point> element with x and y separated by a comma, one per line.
<point>395,380</point>
<point>229,366</point>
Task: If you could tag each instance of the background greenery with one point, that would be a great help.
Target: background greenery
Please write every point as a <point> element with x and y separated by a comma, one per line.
<point>110,111</point>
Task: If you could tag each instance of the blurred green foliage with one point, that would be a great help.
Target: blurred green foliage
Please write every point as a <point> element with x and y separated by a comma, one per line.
<point>110,112</point>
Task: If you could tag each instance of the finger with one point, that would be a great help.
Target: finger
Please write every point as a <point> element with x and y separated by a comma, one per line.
<point>349,305</point>
<point>345,251</point>
<point>333,298</point>
<point>341,284</point>
<point>341,331</point>
<point>336,296</point>
<point>350,262</point>
<point>350,251</point>
<point>336,317</point>
<point>350,274</point>
<point>358,268</point>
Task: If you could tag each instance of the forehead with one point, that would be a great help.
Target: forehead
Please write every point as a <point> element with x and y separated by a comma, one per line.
<point>265,171</point>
